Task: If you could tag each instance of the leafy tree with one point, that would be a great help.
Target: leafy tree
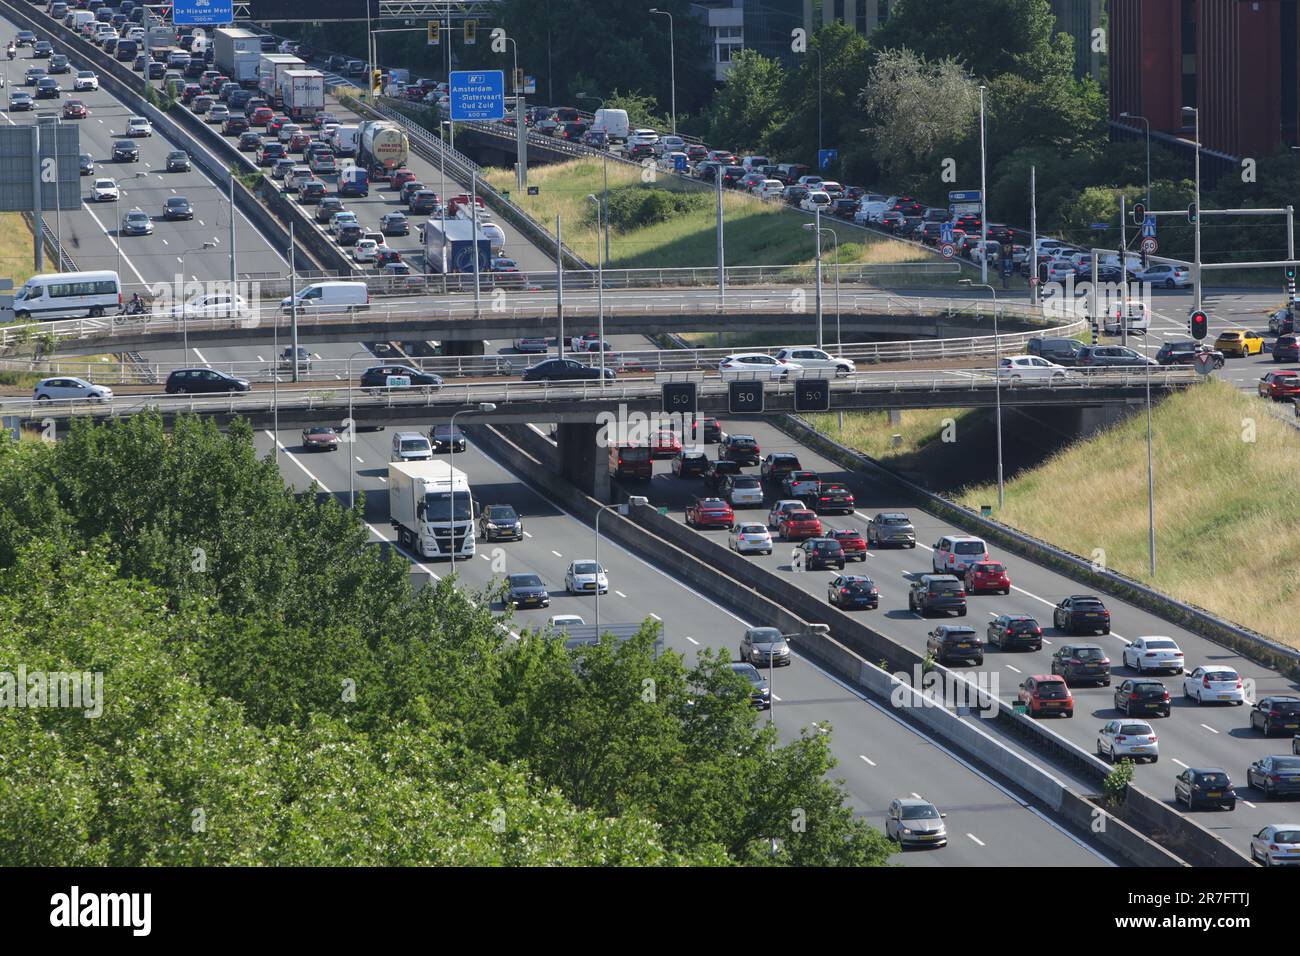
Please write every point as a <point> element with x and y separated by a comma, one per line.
<point>642,110</point>
<point>748,106</point>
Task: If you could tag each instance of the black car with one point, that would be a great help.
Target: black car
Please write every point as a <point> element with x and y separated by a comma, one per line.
<point>853,591</point>
<point>1061,351</point>
<point>844,208</point>
<point>177,207</point>
<point>269,152</point>
<point>1200,787</point>
<point>931,593</point>
<point>327,207</point>
<point>1276,776</point>
<point>394,224</point>
<point>59,64</point>
<point>194,381</point>
<point>739,448</point>
<point>1009,631</point>
<point>377,376</point>
<point>125,151</point>
<point>178,161</point>
<point>42,48</point>
<point>563,370</point>
<point>760,694</point>
<point>710,430</point>
<point>87,164</point>
<point>348,234</point>
<point>313,190</point>
<point>1082,662</point>
<point>47,88</point>
<point>1142,696</point>
<point>777,466</point>
<point>716,472</point>
<point>249,141</point>
<point>690,463</point>
<point>817,554</point>
<point>955,642</point>
<point>1286,348</point>
<point>446,438</point>
<point>1185,352</point>
<point>423,201</point>
<point>500,522</point>
<point>526,590</point>
<point>832,496</point>
<point>1081,613</point>
<point>1276,715</point>
<point>155,70</point>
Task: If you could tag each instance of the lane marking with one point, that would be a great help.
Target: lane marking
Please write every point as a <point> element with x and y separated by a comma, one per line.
<point>201,358</point>
<point>1181,764</point>
<point>692,640</point>
<point>1209,728</point>
<point>620,594</point>
<point>867,760</point>
<point>976,839</point>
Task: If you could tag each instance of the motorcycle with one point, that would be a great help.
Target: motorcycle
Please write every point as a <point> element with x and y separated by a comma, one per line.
<point>134,307</point>
<point>12,51</point>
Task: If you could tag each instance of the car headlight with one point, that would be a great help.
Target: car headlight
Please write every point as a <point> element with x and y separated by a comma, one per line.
<point>907,830</point>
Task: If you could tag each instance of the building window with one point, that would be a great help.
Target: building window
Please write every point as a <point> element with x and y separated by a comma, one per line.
<point>839,10</point>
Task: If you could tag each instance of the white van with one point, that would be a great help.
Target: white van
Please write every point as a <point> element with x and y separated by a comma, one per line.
<point>199,46</point>
<point>329,297</point>
<point>65,294</point>
<point>869,212</point>
<point>81,20</point>
<point>411,446</point>
<point>613,122</point>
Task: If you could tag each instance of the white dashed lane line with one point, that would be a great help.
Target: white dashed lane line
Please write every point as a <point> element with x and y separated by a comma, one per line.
<point>867,760</point>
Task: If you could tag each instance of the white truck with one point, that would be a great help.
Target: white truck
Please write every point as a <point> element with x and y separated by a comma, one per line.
<point>302,92</point>
<point>237,53</point>
<point>346,139</point>
<point>432,508</point>
<point>269,67</point>
<point>453,250</point>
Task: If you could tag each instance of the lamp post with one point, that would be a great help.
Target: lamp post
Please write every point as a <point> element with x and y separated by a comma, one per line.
<point>984,204</point>
<point>185,328</point>
<point>1196,272</point>
<point>600,289</point>
<point>442,206</point>
<point>997,381</point>
<point>672,63</point>
<point>839,342</point>
<point>481,407</point>
<point>1147,123</point>
<point>352,425</point>
<point>817,230</point>
<point>604,160</point>
<point>633,501</point>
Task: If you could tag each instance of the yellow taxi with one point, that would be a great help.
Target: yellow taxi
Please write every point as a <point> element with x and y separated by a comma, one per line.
<point>1240,342</point>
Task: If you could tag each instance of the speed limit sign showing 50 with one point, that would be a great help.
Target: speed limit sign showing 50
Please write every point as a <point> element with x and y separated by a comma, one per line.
<point>745,398</point>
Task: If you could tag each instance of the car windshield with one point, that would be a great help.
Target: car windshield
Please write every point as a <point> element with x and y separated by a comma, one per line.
<point>765,635</point>
<point>1135,729</point>
<point>501,513</point>
<point>922,812</point>
<point>1149,690</point>
<point>1155,645</point>
<point>991,568</point>
<point>893,520</point>
<point>745,481</point>
<point>826,545</point>
<point>969,547</point>
<point>586,567</point>
<point>1285,706</point>
<point>752,529</point>
<point>414,444</point>
<point>1286,836</point>
<point>1286,764</point>
<point>525,581</point>
<point>1092,606</point>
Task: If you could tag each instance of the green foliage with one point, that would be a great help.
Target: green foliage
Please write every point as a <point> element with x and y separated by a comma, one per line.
<point>638,206</point>
<point>1117,782</point>
<point>642,109</point>
<point>748,107</point>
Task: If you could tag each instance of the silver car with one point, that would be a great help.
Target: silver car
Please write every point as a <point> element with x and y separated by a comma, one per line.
<point>62,389</point>
<point>915,822</point>
<point>1134,739</point>
<point>764,646</point>
<point>891,528</point>
<point>1278,844</point>
<point>749,537</point>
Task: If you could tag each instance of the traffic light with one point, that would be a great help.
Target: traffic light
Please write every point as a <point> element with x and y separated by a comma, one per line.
<point>435,33</point>
<point>471,29</point>
<point>1191,213</point>
<point>1200,325</point>
<point>519,79</point>
<point>1290,289</point>
<point>1139,212</point>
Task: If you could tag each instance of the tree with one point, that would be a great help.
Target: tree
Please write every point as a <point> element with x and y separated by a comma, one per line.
<point>642,110</point>
<point>748,106</point>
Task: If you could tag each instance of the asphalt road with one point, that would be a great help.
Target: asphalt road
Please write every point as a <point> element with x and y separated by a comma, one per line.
<point>879,758</point>
<point>1197,736</point>
<point>91,233</point>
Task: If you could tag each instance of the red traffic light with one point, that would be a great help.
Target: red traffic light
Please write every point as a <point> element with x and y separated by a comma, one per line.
<point>1200,324</point>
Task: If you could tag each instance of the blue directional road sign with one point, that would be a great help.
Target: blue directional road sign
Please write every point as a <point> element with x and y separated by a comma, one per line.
<point>826,156</point>
<point>1149,227</point>
<point>679,162</point>
<point>478,95</point>
<point>203,13</point>
<point>966,195</point>
<point>945,231</point>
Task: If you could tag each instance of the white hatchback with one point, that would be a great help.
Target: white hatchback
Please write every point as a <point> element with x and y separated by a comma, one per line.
<point>65,389</point>
<point>769,189</point>
<point>1214,684</point>
<point>750,537</point>
<point>85,80</point>
<point>585,577</point>
<point>1135,739</point>
<point>138,126</point>
<point>755,365</point>
<point>367,250</point>
<point>1030,368</point>
<point>104,190</point>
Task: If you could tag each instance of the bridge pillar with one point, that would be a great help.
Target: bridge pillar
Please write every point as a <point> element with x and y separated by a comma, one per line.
<point>462,347</point>
<point>582,461</point>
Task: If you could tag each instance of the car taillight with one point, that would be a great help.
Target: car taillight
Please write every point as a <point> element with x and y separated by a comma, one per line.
<point>1149,654</point>
<point>1120,739</point>
<point>844,590</point>
<point>1133,696</point>
<point>1274,713</point>
<point>961,594</point>
<point>1205,682</point>
<point>1238,683</point>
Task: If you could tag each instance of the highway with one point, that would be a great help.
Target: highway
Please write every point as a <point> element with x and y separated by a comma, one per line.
<point>1196,736</point>
<point>879,757</point>
<point>90,235</point>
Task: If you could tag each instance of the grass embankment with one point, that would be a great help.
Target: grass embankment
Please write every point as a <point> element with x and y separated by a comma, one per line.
<point>872,433</point>
<point>16,260</point>
<point>675,228</point>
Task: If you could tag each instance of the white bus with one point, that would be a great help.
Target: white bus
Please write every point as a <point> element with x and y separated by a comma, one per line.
<point>68,294</point>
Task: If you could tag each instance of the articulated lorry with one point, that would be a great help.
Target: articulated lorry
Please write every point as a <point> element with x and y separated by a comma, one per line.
<point>453,250</point>
<point>432,508</point>
<point>270,66</point>
<point>302,92</point>
<point>237,53</point>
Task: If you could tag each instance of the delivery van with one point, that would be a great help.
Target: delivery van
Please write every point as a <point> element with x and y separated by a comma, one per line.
<point>613,122</point>
<point>329,297</point>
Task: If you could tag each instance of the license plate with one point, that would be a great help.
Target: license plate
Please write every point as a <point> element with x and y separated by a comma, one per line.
<point>1291,726</point>
<point>1138,750</point>
<point>1224,696</point>
<point>963,645</point>
<point>1215,793</point>
<point>1092,614</point>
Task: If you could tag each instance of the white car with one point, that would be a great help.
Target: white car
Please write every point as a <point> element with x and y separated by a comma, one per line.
<point>1030,368</point>
<point>104,190</point>
<point>1214,683</point>
<point>138,126</point>
<point>809,181</point>
<point>55,389</point>
<point>585,577</point>
<point>366,250</point>
<point>769,189</point>
<point>287,131</point>
<point>1137,324</point>
<point>85,80</point>
<point>1135,739</point>
<point>212,305</point>
<point>1278,844</point>
<point>817,358</point>
<point>755,365</point>
<point>668,161</point>
<point>642,137</point>
<point>561,621</point>
<point>218,113</point>
<point>1058,270</point>
<point>815,200</point>
<point>1154,654</point>
<point>749,537</point>
<point>669,143</point>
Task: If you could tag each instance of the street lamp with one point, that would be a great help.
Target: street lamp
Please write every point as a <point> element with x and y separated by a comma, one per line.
<point>633,501</point>
<point>672,62</point>
<point>1196,278</point>
<point>817,231</point>
<point>1147,123</point>
<point>482,407</point>
<point>351,423</point>
<point>604,160</point>
<point>839,342</point>
<point>997,380</point>
<point>600,289</point>
<point>984,203</point>
<point>185,329</point>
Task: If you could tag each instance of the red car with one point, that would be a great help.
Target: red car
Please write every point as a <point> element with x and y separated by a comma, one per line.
<point>1045,694</point>
<point>665,445</point>
<point>261,116</point>
<point>709,513</point>
<point>1278,386</point>
<point>989,577</point>
<point>274,123</point>
<point>852,542</point>
<point>400,177</point>
<point>75,109</point>
<point>298,142</point>
<point>798,525</point>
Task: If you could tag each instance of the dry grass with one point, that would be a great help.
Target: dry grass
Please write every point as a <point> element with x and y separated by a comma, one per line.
<point>16,260</point>
<point>1225,524</point>
<point>757,233</point>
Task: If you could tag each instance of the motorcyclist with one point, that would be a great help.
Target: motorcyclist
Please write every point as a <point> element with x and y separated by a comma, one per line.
<point>13,50</point>
<point>136,305</point>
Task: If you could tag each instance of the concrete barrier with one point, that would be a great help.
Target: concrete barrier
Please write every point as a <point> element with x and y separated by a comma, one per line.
<point>531,455</point>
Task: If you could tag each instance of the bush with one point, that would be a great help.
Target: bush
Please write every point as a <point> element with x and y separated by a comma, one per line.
<point>1117,781</point>
<point>638,206</point>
